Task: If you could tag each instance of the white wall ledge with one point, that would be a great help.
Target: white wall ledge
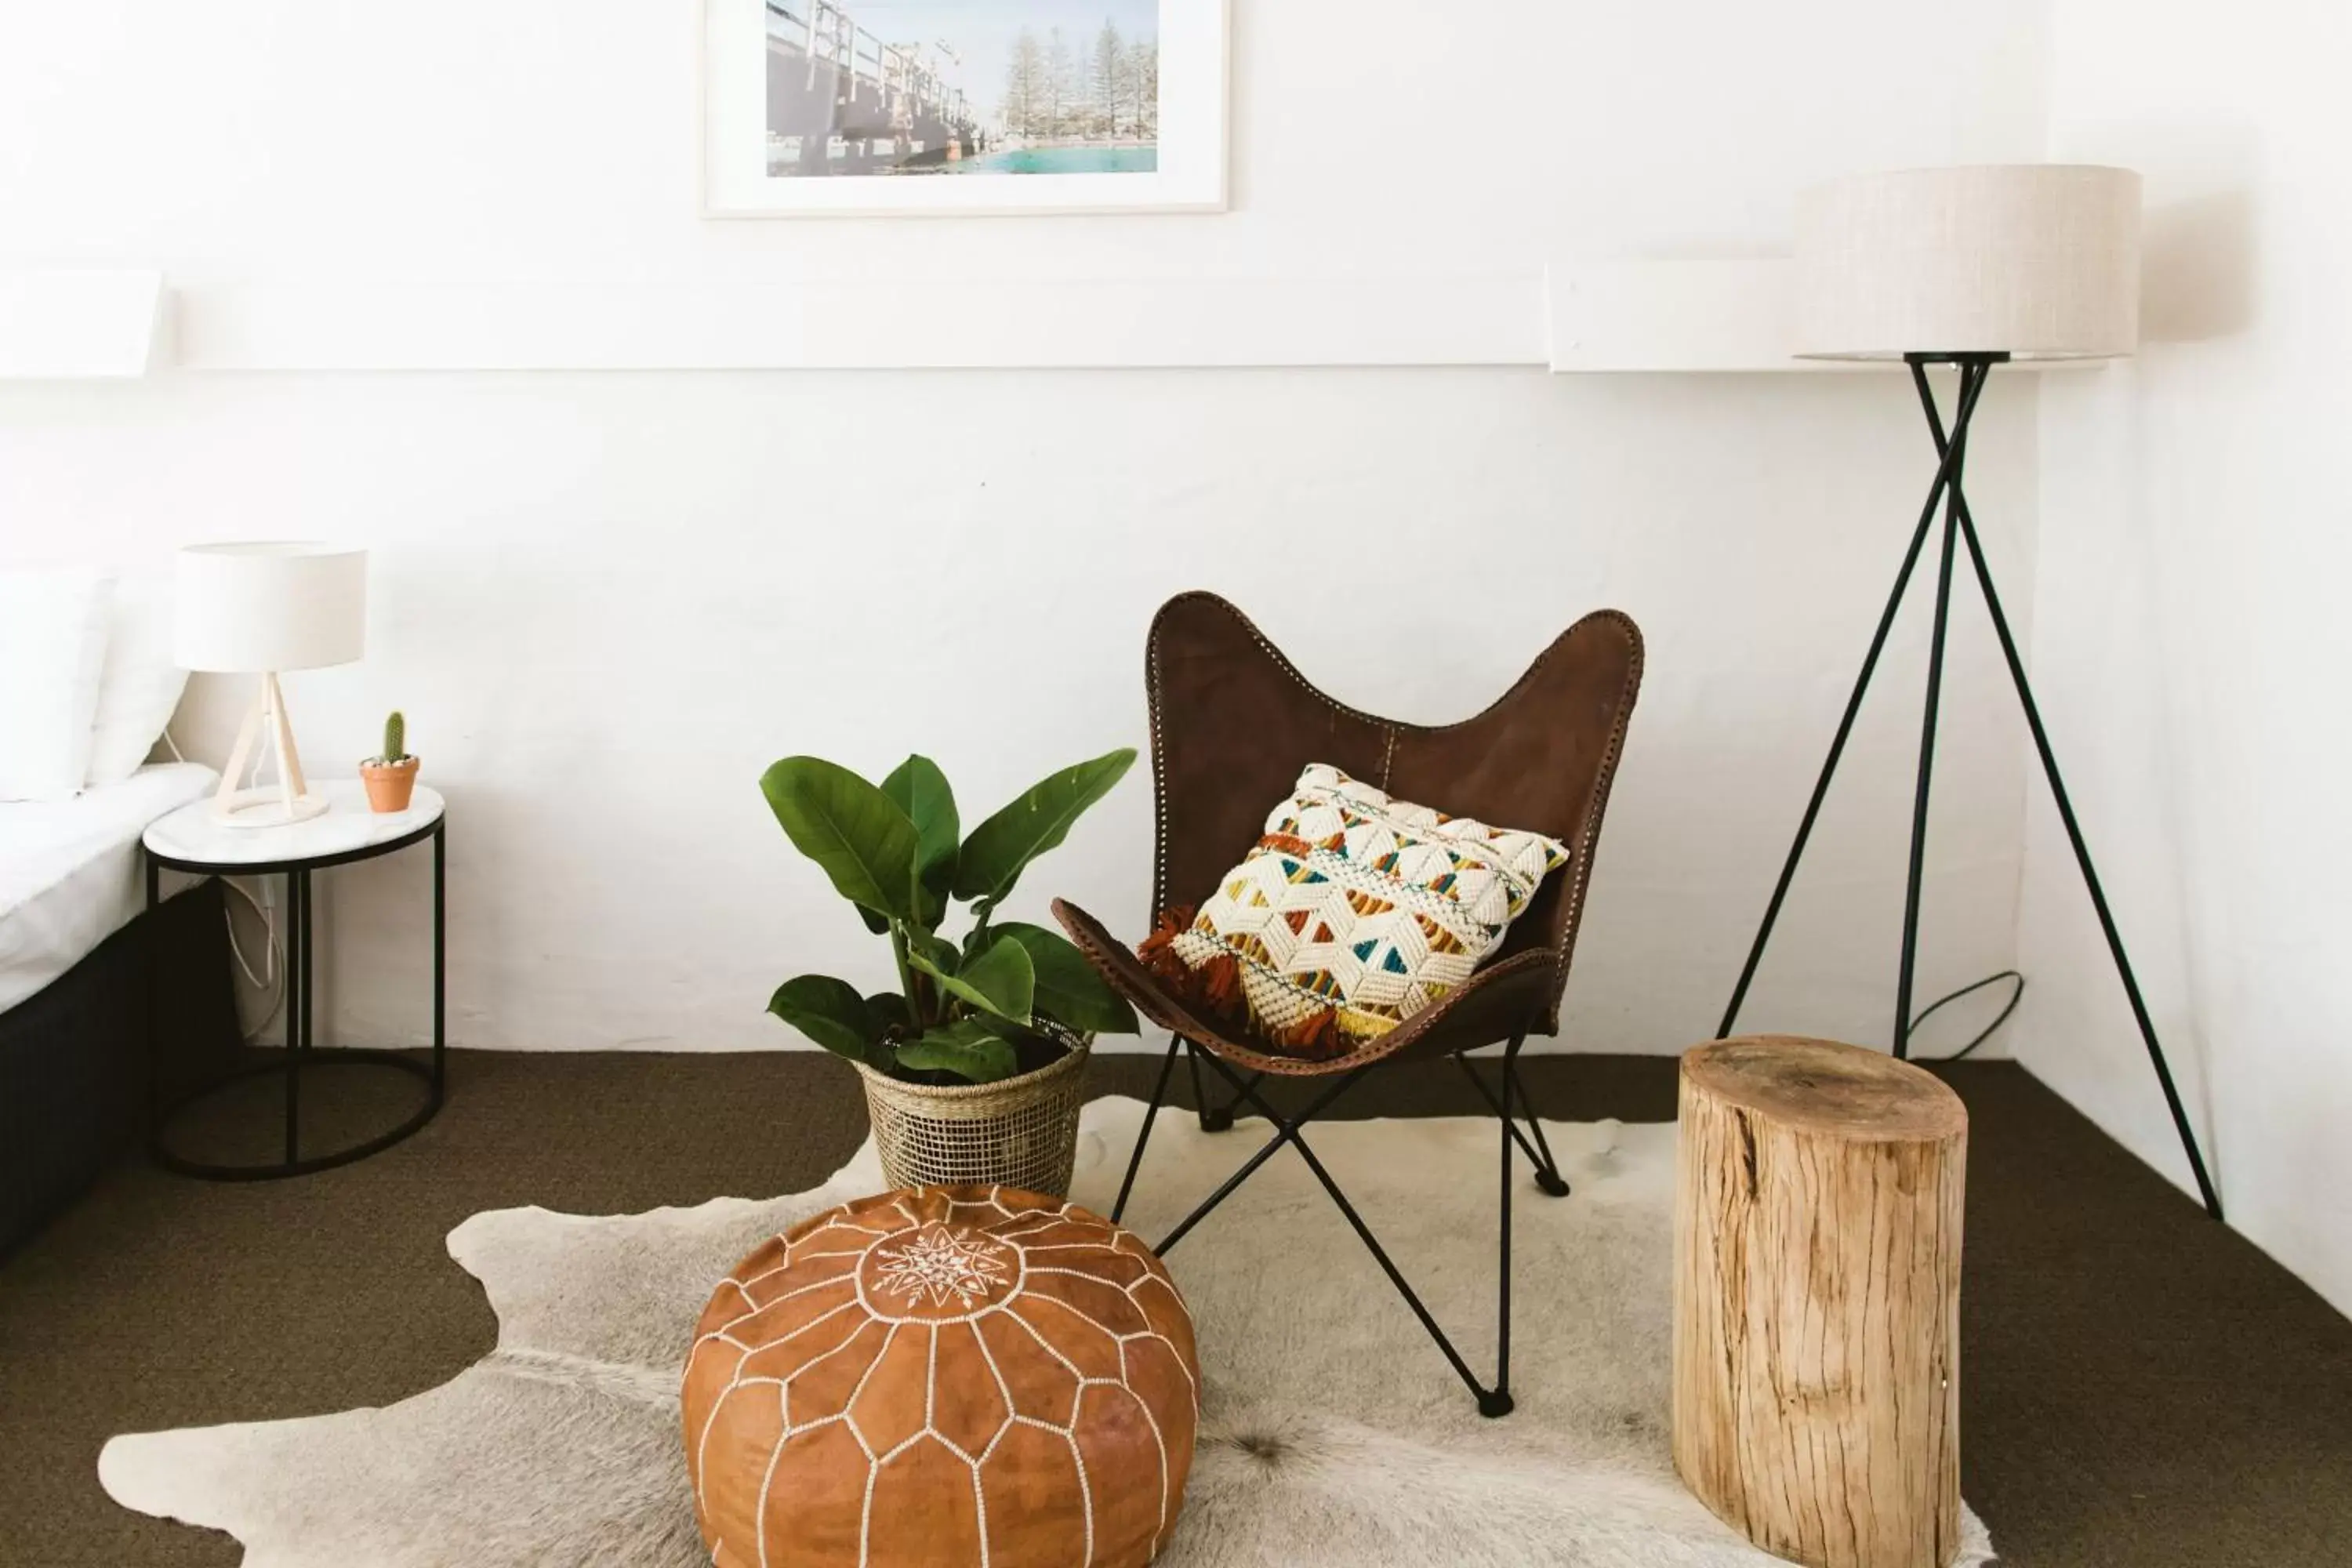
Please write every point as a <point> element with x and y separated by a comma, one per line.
<point>72,324</point>
<point>1620,316</point>
<point>909,324</point>
<point>1651,317</point>
<point>1708,317</point>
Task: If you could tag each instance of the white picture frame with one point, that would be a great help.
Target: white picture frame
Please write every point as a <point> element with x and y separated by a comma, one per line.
<point>1190,150</point>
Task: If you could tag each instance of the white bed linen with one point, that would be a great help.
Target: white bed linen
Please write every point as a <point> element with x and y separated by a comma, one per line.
<point>70,871</point>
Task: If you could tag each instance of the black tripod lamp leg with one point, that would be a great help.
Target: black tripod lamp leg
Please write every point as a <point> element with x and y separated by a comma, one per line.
<point>2205,1188</point>
<point>1956,456</point>
<point>1844,729</point>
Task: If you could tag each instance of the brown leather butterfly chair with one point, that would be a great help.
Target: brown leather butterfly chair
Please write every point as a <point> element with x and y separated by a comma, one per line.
<point>1232,724</point>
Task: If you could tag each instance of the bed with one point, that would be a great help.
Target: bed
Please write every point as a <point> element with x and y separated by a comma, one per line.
<point>75,942</point>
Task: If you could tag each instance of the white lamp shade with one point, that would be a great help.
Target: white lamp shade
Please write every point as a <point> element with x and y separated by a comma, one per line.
<point>2034,261</point>
<point>263,607</point>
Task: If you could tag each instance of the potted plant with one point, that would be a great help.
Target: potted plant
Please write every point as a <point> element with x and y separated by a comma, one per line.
<point>390,778</point>
<point>974,1066</point>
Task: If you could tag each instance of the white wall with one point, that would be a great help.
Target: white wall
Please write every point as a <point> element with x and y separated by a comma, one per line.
<point>607,600</point>
<point>266,148</point>
<point>2192,647</point>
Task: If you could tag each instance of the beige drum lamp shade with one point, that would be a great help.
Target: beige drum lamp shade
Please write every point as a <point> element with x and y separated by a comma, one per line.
<point>258,609</point>
<point>2032,260</point>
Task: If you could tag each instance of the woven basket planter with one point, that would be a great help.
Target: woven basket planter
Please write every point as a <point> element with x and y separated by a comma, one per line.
<point>1019,1133</point>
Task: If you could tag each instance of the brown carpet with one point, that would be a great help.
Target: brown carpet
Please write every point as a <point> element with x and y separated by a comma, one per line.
<point>2142,1388</point>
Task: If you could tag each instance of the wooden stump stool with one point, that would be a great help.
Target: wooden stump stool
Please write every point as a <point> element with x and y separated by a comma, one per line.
<point>1817,1291</point>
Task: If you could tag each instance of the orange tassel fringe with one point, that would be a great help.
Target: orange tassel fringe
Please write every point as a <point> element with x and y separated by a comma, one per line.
<point>1157,950</point>
<point>1315,1037</point>
<point>1214,991</point>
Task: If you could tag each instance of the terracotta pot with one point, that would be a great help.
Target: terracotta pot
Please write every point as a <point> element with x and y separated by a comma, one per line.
<point>389,784</point>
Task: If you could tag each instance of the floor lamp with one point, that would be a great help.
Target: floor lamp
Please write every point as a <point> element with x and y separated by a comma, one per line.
<point>1970,267</point>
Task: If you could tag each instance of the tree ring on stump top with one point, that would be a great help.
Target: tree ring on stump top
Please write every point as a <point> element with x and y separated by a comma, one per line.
<point>1826,1088</point>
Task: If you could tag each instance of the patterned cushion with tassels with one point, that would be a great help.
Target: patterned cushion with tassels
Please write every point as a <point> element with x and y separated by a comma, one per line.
<point>1354,913</point>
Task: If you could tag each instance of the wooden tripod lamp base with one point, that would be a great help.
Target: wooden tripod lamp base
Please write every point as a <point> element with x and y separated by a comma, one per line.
<point>260,608</point>
<point>289,800</point>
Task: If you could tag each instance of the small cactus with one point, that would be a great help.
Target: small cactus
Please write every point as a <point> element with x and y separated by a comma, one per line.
<point>395,737</point>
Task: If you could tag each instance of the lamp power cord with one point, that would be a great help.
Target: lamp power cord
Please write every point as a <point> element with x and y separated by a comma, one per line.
<point>2016,994</point>
<point>272,977</point>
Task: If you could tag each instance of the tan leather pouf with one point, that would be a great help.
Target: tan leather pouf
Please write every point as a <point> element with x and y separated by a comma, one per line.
<point>938,1377</point>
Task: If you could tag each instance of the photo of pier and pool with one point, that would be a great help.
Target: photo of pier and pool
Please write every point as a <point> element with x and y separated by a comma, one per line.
<point>896,88</point>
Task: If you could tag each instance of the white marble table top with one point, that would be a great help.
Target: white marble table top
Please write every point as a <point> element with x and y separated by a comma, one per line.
<point>193,835</point>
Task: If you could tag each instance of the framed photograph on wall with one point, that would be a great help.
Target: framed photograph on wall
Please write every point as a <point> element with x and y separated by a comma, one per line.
<point>940,107</point>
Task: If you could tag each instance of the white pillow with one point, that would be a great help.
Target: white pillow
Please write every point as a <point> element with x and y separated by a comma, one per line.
<point>141,686</point>
<point>53,629</point>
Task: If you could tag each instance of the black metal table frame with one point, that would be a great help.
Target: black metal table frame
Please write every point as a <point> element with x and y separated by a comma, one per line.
<point>298,1053</point>
<point>1959,528</point>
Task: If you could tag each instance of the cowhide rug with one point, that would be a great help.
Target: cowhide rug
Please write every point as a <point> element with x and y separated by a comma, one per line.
<point>1332,1433</point>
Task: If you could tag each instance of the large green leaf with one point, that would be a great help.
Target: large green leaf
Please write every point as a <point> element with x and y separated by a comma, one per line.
<point>965,1048</point>
<point>888,1011</point>
<point>858,834</point>
<point>999,981</point>
<point>1069,989</point>
<point>833,1015</point>
<point>994,855</point>
<point>922,792</point>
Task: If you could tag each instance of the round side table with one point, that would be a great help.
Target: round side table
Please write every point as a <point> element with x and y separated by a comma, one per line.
<point>192,839</point>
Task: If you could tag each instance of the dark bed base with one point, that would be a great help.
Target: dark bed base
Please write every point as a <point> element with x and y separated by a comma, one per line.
<point>74,1061</point>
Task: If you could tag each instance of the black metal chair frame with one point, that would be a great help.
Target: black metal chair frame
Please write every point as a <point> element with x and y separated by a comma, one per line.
<point>1493,1401</point>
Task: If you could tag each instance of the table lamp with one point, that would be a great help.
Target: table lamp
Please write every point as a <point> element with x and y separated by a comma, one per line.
<point>1970,267</point>
<point>263,609</point>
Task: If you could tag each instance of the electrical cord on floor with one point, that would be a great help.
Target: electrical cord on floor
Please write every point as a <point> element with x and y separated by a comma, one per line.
<point>272,977</point>
<point>1983,1034</point>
